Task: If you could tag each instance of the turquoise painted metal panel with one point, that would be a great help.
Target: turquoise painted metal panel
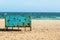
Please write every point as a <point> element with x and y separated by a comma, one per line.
<point>20,20</point>
<point>17,21</point>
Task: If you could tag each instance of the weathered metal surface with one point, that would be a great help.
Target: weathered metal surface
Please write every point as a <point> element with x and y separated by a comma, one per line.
<point>17,21</point>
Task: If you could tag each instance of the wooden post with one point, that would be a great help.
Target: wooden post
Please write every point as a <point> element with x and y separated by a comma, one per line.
<point>24,26</point>
<point>18,28</point>
<point>12,28</point>
<point>5,20</point>
<point>6,28</point>
<point>30,23</point>
<point>30,27</point>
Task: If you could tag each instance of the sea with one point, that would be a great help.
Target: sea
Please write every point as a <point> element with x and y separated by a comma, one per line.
<point>34,15</point>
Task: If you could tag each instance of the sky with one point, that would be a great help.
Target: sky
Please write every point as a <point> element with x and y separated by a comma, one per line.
<point>29,5</point>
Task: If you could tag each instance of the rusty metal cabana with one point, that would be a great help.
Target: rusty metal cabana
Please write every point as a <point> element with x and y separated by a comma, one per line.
<point>17,21</point>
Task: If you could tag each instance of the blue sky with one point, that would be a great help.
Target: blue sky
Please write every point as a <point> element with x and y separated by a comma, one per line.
<point>29,5</point>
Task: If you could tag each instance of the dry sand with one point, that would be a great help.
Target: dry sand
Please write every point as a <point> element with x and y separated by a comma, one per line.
<point>2,23</point>
<point>41,30</point>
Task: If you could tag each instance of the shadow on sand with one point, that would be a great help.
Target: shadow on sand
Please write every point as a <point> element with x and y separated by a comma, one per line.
<point>10,29</point>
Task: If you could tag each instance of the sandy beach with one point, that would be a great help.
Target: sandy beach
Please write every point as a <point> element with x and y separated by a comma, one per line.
<point>41,30</point>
